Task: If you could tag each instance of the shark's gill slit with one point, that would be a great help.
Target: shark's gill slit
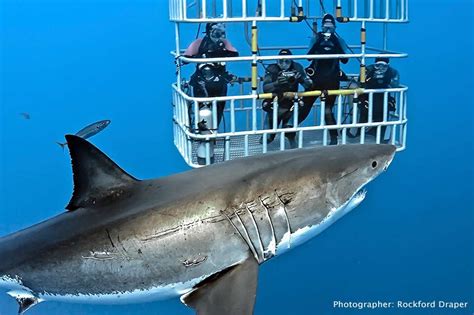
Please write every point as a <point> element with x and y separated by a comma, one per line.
<point>272,245</point>
<point>110,238</point>
<point>249,241</point>
<point>256,230</point>
<point>283,207</point>
<point>233,225</point>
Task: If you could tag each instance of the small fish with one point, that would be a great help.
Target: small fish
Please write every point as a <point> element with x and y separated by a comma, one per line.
<point>89,131</point>
<point>26,115</point>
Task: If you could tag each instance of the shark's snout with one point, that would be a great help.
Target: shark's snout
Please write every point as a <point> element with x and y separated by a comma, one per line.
<point>391,154</point>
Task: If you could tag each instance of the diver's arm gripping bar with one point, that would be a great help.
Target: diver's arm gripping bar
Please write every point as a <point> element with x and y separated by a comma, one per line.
<point>312,93</point>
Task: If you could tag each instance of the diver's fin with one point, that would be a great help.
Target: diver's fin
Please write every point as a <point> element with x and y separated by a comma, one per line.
<point>96,177</point>
<point>25,299</point>
<point>230,292</point>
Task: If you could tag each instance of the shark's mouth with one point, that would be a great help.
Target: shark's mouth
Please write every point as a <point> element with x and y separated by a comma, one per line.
<point>350,204</point>
<point>303,234</point>
<point>358,197</point>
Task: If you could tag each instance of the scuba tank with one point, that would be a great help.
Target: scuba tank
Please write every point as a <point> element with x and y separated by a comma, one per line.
<point>206,127</point>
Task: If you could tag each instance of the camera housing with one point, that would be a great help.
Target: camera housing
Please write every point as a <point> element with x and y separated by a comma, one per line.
<point>290,75</point>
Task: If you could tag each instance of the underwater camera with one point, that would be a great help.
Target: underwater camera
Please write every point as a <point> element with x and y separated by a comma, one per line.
<point>290,75</point>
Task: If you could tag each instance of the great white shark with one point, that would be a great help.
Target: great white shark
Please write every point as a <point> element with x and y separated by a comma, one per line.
<point>199,235</point>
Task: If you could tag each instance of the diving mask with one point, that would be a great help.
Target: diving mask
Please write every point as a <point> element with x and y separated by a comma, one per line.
<point>284,64</point>
<point>217,32</point>
<point>329,28</point>
<point>381,67</point>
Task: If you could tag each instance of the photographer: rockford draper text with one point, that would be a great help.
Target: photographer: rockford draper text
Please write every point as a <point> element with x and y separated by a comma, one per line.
<point>400,304</point>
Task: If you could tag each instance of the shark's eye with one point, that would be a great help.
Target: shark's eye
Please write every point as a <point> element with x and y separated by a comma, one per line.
<point>374,164</point>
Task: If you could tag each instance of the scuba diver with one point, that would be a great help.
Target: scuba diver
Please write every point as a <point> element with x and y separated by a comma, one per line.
<point>210,79</point>
<point>325,73</point>
<point>280,77</point>
<point>379,75</point>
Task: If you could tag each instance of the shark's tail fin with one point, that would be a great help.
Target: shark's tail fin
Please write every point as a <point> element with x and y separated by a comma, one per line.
<point>62,145</point>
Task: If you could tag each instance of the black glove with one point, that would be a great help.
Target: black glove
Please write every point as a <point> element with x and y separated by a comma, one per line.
<point>267,106</point>
<point>282,80</point>
<point>364,104</point>
<point>299,78</point>
<point>202,125</point>
<point>230,78</point>
<point>392,104</point>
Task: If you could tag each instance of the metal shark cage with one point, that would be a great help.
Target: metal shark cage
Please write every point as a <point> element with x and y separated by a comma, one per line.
<point>243,132</point>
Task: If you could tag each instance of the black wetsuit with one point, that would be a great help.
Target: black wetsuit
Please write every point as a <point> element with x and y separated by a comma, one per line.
<point>327,76</point>
<point>217,86</point>
<point>285,105</point>
<point>374,81</point>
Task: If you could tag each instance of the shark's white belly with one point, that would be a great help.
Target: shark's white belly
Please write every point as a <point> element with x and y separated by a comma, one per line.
<point>16,288</point>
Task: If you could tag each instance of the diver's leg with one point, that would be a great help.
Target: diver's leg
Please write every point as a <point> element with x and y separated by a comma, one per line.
<point>220,112</point>
<point>197,92</point>
<point>271,137</point>
<point>377,112</point>
<point>328,110</point>
<point>329,117</point>
<point>268,122</point>
<point>308,101</point>
<point>221,105</point>
<point>287,122</point>
<point>363,112</point>
<point>304,110</point>
<point>378,116</point>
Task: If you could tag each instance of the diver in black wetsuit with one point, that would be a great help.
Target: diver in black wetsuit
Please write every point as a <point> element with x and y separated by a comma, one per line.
<point>211,79</point>
<point>325,73</point>
<point>284,76</point>
<point>380,75</point>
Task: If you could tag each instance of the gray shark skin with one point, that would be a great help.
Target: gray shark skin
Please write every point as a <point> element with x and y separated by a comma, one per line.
<point>198,234</point>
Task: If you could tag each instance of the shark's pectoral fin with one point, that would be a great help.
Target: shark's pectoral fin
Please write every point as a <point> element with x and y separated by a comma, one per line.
<point>231,292</point>
<point>25,299</point>
<point>96,177</point>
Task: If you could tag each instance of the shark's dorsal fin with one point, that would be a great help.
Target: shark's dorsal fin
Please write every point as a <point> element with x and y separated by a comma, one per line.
<point>96,177</point>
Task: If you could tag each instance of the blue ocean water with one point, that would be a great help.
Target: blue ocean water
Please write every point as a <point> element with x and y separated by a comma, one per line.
<point>69,63</point>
